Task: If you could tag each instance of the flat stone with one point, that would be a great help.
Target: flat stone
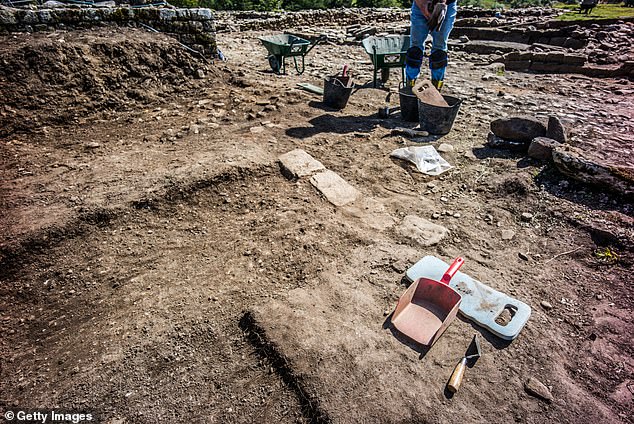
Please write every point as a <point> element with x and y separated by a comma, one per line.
<point>334,188</point>
<point>542,148</point>
<point>508,234</point>
<point>297,163</point>
<point>518,128</point>
<point>445,148</point>
<point>556,130</point>
<point>546,305</point>
<point>536,388</point>
<point>422,231</point>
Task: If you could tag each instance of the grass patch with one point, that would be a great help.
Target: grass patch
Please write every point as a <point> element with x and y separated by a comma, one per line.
<point>602,11</point>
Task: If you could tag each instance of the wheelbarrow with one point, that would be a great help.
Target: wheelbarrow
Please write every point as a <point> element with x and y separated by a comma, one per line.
<point>427,307</point>
<point>281,46</point>
<point>386,53</point>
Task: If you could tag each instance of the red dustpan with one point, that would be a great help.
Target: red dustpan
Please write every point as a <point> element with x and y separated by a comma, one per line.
<point>427,308</point>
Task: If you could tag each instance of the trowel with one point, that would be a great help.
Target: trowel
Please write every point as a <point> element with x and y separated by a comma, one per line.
<point>471,357</point>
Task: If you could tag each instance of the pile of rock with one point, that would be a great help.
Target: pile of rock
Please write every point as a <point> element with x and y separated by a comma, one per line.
<point>609,44</point>
<point>548,142</point>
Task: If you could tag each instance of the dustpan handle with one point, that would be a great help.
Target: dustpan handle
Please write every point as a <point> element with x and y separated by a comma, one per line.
<point>453,268</point>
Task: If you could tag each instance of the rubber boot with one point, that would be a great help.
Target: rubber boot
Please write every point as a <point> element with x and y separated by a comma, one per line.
<point>438,84</point>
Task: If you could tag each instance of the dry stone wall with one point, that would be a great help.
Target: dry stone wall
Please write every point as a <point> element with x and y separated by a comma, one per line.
<point>192,27</point>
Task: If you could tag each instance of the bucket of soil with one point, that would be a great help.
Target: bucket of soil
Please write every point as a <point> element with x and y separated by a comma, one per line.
<point>409,103</point>
<point>337,90</point>
<point>438,120</point>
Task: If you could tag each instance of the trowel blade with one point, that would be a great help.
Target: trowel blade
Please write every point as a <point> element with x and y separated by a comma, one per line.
<point>473,351</point>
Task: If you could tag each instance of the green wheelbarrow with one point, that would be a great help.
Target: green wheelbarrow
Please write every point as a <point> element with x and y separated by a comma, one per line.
<point>386,53</point>
<point>281,46</point>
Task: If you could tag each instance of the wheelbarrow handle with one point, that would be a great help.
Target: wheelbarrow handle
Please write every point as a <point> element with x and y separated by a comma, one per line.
<point>453,269</point>
<point>322,37</point>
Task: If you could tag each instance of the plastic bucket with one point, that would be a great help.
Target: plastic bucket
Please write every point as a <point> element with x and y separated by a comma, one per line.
<point>336,91</point>
<point>438,119</point>
<point>409,104</point>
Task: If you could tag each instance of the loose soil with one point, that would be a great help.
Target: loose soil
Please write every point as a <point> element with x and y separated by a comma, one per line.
<point>147,231</point>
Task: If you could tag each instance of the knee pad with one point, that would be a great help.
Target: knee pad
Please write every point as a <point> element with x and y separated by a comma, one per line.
<point>438,59</point>
<point>414,57</point>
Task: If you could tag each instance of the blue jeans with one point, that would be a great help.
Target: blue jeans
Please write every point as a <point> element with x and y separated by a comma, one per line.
<point>419,32</point>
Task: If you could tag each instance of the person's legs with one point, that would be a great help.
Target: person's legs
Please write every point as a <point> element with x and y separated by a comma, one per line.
<point>418,34</point>
<point>418,28</point>
<point>438,56</point>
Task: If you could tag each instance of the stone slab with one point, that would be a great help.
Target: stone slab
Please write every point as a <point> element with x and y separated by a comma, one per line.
<point>297,163</point>
<point>422,231</point>
<point>334,188</point>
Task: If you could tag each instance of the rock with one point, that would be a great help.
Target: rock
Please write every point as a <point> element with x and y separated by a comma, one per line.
<point>457,215</point>
<point>194,129</point>
<point>542,148</point>
<point>546,305</point>
<point>523,256</point>
<point>400,266</point>
<point>93,145</point>
<point>571,162</point>
<point>500,143</point>
<point>599,297</point>
<point>536,388</point>
<point>464,39</point>
<point>556,130</point>
<point>200,74</point>
<point>256,130</point>
<point>527,217</point>
<point>435,215</point>
<point>422,231</point>
<point>508,234</point>
<point>445,148</point>
<point>518,128</point>
<point>334,188</point>
<point>297,163</point>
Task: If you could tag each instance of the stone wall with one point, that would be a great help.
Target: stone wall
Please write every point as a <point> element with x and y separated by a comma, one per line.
<point>192,27</point>
<point>569,36</point>
<point>252,20</point>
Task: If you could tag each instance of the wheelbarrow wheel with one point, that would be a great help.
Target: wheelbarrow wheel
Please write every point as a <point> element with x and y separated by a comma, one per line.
<point>275,63</point>
<point>385,75</point>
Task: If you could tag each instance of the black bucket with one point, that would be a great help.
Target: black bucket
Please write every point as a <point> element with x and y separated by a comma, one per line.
<point>409,104</point>
<point>337,92</point>
<point>438,120</point>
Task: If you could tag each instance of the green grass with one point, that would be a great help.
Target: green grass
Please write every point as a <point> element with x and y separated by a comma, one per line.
<point>602,11</point>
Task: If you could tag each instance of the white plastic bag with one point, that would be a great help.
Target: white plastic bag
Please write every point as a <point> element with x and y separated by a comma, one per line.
<point>426,158</point>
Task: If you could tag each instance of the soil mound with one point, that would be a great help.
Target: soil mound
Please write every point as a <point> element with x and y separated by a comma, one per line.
<point>57,77</point>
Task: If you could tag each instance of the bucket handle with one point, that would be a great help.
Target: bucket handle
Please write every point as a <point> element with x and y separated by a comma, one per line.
<point>337,81</point>
<point>453,269</point>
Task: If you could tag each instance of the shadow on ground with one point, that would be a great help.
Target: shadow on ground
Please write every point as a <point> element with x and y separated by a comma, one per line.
<point>593,197</point>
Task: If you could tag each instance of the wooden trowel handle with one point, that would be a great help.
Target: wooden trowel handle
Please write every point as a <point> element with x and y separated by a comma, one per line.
<point>456,376</point>
<point>453,268</point>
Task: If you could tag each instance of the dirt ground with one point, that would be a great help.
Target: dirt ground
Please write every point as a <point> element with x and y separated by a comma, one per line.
<point>146,224</point>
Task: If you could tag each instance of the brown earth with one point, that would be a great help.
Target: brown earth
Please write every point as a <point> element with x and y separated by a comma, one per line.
<point>156,266</point>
